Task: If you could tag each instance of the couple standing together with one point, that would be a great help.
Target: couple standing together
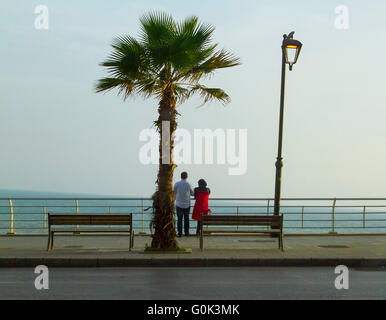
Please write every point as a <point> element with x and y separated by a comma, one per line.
<point>182,192</point>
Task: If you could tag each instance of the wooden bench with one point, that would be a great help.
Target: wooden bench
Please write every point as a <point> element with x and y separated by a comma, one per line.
<point>76,220</point>
<point>275,222</point>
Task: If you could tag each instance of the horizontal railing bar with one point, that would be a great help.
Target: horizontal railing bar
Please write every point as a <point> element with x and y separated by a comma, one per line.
<point>352,220</point>
<point>214,206</point>
<point>215,213</point>
<point>59,206</point>
<point>41,220</point>
<point>230,206</point>
<point>40,213</point>
<point>245,213</point>
<point>322,227</point>
<point>297,206</point>
<point>329,228</point>
<point>340,220</point>
<point>290,220</point>
<point>262,205</point>
<point>77,198</point>
<point>341,213</point>
<point>214,199</point>
<point>300,228</point>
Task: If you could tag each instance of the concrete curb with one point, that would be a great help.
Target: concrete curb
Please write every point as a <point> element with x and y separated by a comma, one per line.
<point>188,262</point>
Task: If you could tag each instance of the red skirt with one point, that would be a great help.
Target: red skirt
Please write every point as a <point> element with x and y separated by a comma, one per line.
<point>201,205</point>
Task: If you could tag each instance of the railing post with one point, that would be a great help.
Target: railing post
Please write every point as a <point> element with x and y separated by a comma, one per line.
<point>11,217</point>
<point>302,217</point>
<point>77,212</point>
<point>44,218</point>
<point>142,232</point>
<point>268,207</point>
<point>237,214</point>
<point>110,214</point>
<point>333,218</point>
<point>364,217</point>
<point>143,217</point>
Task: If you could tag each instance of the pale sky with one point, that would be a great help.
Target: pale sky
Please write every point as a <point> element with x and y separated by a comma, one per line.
<point>57,135</point>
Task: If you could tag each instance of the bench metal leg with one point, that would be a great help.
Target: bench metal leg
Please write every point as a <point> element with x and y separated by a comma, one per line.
<point>49,241</point>
<point>131,240</point>
<point>281,242</point>
<point>201,236</point>
<point>52,240</point>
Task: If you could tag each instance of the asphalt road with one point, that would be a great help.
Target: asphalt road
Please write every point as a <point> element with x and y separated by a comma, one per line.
<point>193,283</point>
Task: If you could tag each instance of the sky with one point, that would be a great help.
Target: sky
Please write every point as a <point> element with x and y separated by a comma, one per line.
<point>58,135</point>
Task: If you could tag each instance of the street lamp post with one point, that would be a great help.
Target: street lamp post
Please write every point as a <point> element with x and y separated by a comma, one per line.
<point>290,52</point>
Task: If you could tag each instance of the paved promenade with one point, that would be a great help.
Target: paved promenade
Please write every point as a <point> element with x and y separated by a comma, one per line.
<point>219,251</point>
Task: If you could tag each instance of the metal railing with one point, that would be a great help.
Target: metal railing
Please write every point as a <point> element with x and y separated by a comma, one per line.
<point>301,215</point>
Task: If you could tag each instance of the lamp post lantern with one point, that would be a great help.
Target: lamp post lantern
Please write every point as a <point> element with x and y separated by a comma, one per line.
<point>290,53</point>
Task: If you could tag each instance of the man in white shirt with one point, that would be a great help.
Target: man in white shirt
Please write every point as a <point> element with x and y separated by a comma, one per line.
<point>182,192</point>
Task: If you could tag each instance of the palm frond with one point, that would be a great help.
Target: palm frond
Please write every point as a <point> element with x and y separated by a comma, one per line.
<point>128,58</point>
<point>219,60</point>
<point>125,86</point>
<point>208,94</point>
<point>191,44</point>
<point>181,93</point>
<point>148,87</point>
<point>157,31</point>
<point>157,27</point>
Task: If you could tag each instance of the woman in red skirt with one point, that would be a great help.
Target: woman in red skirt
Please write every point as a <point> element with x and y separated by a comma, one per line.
<point>201,194</point>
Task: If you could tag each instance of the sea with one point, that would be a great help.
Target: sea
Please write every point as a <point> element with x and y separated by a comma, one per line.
<point>29,216</point>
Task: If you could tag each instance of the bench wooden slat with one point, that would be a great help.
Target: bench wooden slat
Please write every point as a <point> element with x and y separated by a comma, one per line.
<point>87,219</point>
<point>214,217</point>
<point>240,223</point>
<point>64,222</point>
<point>242,219</point>
<point>107,229</point>
<point>274,222</point>
<point>112,220</point>
<point>239,231</point>
<point>239,218</point>
<point>246,217</point>
<point>107,220</point>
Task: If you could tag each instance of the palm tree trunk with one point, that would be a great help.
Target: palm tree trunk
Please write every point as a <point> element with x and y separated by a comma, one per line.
<point>163,221</point>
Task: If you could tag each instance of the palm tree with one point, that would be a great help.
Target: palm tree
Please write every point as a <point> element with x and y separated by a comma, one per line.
<point>167,62</point>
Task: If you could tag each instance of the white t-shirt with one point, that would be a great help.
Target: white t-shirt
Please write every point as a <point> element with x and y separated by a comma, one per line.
<point>183,191</point>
